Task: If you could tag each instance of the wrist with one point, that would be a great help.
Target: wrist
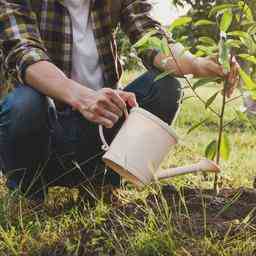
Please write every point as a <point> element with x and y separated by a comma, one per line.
<point>74,93</point>
<point>71,93</point>
<point>196,63</point>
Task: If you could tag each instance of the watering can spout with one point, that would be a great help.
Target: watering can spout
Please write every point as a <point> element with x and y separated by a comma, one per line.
<point>204,165</point>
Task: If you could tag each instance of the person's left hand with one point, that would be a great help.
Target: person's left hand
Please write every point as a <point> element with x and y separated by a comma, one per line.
<point>209,67</point>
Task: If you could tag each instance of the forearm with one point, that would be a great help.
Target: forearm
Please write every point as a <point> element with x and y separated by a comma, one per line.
<point>179,62</point>
<point>51,81</point>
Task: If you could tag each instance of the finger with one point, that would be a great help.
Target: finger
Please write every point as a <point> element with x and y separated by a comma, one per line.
<point>98,120</point>
<point>231,91</point>
<point>236,83</point>
<point>232,87</point>
<point>101,112</point>
<point>113,96</point>
<point>112,101</point>
<point>118,101</point>
<point>105,122</point>
<point>233,78</point>
<point>129,98</point>
<point>233,71</point>
<point>112,107</point>
<point>235,67</point>
<point>217,69</point>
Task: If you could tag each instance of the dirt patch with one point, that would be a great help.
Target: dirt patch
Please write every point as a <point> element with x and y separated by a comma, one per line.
<point>203,209</point>
<point>195,212</point>
<point>199,212</point>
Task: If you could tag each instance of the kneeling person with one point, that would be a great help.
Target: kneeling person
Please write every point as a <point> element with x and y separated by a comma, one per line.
<point>62,59</point>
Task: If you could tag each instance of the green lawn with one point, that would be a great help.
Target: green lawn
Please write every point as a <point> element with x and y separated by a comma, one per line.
<point>150,223</point>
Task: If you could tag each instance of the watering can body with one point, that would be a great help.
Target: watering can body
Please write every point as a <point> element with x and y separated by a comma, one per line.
<point>140,146</point>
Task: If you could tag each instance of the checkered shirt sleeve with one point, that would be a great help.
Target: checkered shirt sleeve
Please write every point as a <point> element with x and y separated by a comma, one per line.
<point>20,43</point>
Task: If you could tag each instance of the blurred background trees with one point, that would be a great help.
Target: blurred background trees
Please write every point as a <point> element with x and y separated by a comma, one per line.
<point>128,55</point>
<point>197,37</point>
<point>190,34</point>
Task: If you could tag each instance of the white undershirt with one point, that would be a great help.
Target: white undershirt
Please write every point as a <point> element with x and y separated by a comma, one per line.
<point>85,60</point>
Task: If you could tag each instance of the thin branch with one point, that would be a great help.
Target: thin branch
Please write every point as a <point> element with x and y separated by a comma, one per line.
<point>233,99</point>
<point>230,122</point>
<point>221,129</point>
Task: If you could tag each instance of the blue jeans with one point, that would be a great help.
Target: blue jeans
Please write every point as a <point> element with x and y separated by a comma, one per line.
<point>42,147</point>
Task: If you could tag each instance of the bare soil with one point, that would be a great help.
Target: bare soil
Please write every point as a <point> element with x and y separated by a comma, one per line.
<point>195,212</point>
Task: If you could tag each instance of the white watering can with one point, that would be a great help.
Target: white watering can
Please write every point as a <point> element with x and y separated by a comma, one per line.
<point>140,146</point>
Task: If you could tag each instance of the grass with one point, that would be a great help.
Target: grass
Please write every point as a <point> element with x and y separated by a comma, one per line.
<point>144,227</point>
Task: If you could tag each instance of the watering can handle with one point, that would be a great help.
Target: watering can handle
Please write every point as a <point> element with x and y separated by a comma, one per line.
<point>105,145</point>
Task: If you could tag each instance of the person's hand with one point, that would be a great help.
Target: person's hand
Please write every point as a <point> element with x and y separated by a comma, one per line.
<point>233,77</point>
<point>209,67</point>
<point>105,106</point>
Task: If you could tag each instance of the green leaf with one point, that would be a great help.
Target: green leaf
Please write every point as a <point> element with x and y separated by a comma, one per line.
<point>248,82</point>
<point>248,57</point>
<point>249,43</point>
<point>207,40</point>
<point>242,116</point>
<point>211,150</point>
<point>162,75</point>
<point>204,23</point>
<point>247,23</point>
<point>200,53</point>
<point>252,29</point>
<point>187,98</point>
<point>232,43</point>
<point>239,33</point>
<point>225,147</point>
<point>165,46</point>
<point>203,81</point>
<point>246,10</point>
<point>253,94</point>
<point>180,22</point>
<point>182,39</point>
<point>144,39</point>
<point>154,42</point>
<point>209,50</point>
<point>226,20</point>
<point>196,126</point>
<point>222,7</point>
<point>211,100</point>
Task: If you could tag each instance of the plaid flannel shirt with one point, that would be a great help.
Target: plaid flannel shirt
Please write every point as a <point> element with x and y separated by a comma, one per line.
<point>36,30</point>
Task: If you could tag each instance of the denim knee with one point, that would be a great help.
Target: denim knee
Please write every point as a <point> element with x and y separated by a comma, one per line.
<point>23,111</point>
<point>169,91</point>
<point>172,88</point>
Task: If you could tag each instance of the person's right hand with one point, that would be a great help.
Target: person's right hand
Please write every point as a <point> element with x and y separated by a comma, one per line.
<point>105,106</point>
